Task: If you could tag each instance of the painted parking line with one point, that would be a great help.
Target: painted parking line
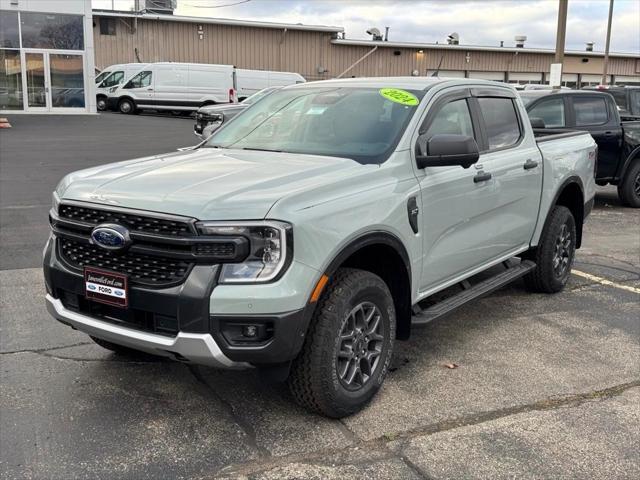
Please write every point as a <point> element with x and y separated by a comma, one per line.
<point>604,281</point>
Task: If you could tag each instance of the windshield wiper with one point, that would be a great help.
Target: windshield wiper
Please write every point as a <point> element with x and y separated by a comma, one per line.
<point>260,149</point>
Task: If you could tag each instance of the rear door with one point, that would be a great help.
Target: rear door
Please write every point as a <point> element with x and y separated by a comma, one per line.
<point>210,83</point>
<point>513,160</point>
<point>592,113</point>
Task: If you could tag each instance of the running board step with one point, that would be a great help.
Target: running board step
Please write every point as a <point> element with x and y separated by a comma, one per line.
<point>479,290</point>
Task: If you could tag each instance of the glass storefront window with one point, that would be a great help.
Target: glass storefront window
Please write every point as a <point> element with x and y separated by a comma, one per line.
<point>52,30</point>
<point>10,80</point>
<point>67,80</point>
<point>9,33</point>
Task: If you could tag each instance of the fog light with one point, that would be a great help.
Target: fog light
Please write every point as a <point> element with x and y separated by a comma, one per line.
<point>250,331</point>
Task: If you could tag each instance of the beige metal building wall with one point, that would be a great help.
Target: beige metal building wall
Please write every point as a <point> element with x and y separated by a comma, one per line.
<point>316,54</point>
<point>245,47</point>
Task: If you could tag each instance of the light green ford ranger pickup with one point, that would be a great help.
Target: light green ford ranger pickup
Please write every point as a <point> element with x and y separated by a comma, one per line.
<point>310,233</point>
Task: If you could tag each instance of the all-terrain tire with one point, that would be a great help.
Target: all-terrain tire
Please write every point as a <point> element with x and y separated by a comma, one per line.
<point>629,187</point>
<point>554,254</point>
<point>315,380</point>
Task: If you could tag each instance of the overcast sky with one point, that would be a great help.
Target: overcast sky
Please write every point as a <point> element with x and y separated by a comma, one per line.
<point>479,22</point>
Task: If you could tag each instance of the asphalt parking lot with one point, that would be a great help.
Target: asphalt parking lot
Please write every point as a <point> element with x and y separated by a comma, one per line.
<point>545,386</point>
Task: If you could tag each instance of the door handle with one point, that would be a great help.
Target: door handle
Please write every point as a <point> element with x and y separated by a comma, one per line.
<point>149,89</point>
<point>482,177</point>
<point>529,164</point>
<point>608,134</point>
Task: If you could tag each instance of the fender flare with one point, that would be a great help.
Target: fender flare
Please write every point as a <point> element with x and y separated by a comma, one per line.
<point>574,179</point>
<point>635,154</point>
<point>370,238</point>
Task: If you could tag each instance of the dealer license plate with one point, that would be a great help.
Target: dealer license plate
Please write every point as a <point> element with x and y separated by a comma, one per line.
<point>106,287</point>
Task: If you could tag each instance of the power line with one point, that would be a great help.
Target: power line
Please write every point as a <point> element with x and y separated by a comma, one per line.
<point>216,6</point>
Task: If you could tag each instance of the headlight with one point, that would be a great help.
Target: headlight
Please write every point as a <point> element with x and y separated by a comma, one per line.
<point>55,201</point>
<point>270,249</point>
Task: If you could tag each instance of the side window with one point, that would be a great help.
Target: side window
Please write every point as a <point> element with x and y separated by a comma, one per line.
<point>550,111</point>
<point>453,118</point>
<point>590,111</point>
<point>501,121</point>
<point>114,79</point>
<point>143,79</point>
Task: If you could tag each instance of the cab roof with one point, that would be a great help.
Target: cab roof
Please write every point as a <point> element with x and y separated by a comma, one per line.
<point>410,83</point>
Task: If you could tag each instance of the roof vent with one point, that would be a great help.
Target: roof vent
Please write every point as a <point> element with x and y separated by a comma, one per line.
<point>453,39</point>
<point>520,39</point>
<point>590,46</point>
<point>375,34</point>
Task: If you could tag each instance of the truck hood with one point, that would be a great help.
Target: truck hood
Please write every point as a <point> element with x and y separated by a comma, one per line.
<point>207,183</point>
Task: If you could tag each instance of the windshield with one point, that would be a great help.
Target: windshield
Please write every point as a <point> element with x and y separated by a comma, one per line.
<point>364,124</point>
<point>102,75</point>
<point>258,95</point>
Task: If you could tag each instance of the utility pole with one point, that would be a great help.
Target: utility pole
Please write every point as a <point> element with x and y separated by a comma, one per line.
<point>605,64</point>
<point>561,33</point>
<point>555,76</point>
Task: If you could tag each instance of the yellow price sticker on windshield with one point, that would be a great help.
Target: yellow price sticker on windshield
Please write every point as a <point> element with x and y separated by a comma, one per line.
<point>400,96</point>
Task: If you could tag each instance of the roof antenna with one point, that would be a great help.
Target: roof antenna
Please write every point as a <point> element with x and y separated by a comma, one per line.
<point>436,73</point>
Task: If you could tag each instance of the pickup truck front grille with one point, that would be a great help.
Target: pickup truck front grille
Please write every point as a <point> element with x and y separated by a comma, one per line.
<point>136,223</point>
<point>142,269</point>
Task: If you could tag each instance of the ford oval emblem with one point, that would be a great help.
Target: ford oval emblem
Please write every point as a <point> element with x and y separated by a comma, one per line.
<point>111,236</point>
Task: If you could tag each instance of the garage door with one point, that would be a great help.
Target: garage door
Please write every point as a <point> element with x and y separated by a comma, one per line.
<point>498,76</point>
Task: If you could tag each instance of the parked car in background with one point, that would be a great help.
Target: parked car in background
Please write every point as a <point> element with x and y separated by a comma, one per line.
<point>113,76</point>
<point>596,112</point>
<point>211,117</point>
<point>174,87</point>
<point>252,81</point>
<point>627,98</point>
<point>312,231</point>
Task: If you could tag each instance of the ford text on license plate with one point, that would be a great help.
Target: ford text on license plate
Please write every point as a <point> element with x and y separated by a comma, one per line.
<point>106,287</point>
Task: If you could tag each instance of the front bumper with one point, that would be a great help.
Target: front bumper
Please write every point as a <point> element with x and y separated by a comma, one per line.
<point>187,322</point>
<point>198,348</point>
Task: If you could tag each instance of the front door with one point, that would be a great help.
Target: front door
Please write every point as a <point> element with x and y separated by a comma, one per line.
<point>37,93</point>
<point>53,81</point>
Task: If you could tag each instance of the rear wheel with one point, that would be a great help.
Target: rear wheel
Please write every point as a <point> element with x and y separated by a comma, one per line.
<point>629,188</point>
<point>349,345</point>
<point>554,254</point>
<point>127,106</point>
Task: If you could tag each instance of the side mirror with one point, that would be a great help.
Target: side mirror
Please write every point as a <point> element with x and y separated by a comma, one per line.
<point>537,122</point>
<point>444,150</point>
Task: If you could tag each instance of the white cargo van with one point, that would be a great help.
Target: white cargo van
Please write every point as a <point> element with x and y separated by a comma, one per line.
<point>113,76</point>
<point>252,81</point>
<point>174,86</point>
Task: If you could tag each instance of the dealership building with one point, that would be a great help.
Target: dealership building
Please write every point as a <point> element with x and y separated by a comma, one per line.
<point>51,49</point>
<point>46,56</point>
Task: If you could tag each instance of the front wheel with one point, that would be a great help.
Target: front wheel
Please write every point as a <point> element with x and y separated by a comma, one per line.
<point>554,254</point>
<point>348,348</point>
<point>127,106</point>
<point>629,188</point>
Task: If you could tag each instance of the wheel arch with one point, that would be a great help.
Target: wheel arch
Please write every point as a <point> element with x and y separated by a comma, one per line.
<point>571,195</point>
<point>632,157</point>
<point>383,254</point>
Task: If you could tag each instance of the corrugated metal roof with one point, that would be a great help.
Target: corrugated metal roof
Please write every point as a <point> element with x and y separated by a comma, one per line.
<point>218,21</point>
<point>444,46</point>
